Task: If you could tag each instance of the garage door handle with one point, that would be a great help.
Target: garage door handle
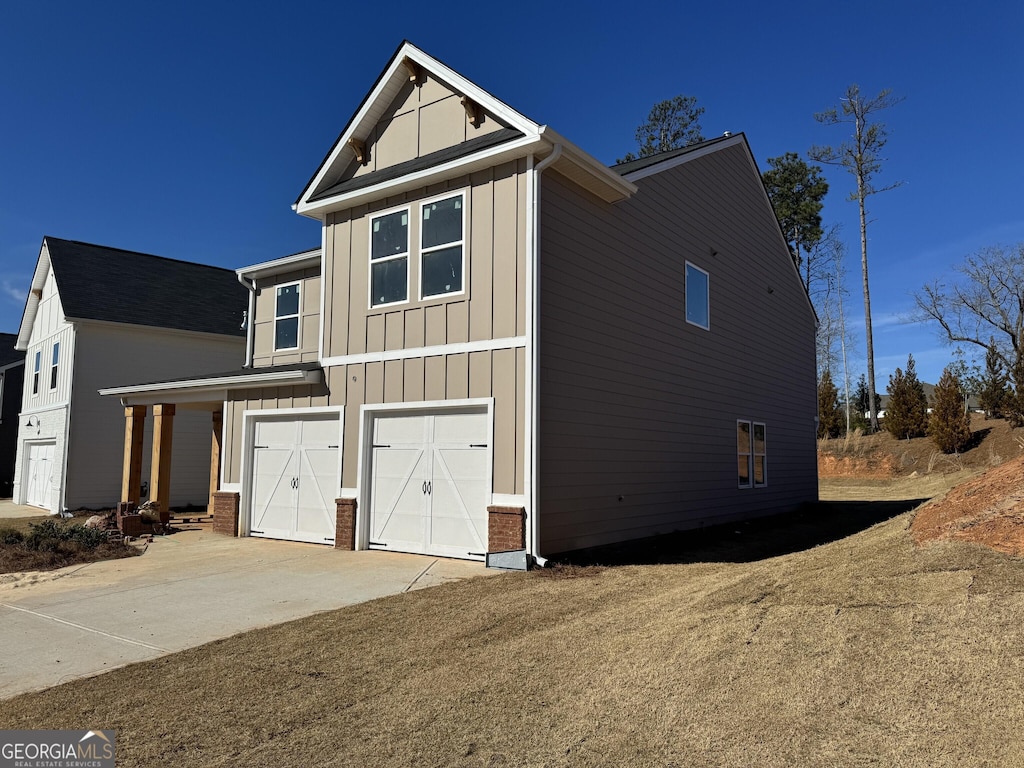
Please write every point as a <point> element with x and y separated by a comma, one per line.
<point>430,487</point>
<point>478,445</point>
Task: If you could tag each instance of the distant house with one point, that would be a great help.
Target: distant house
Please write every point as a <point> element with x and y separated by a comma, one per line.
<point>96,315</point>
<point>12,373</point>
<point>505,344</point>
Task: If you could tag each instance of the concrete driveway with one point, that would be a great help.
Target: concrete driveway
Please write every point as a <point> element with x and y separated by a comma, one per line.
<point>186,590</point>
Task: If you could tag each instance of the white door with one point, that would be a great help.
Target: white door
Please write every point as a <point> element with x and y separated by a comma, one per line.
<point>40,474</point>
<point>429,483</point>
<point>295,478</point>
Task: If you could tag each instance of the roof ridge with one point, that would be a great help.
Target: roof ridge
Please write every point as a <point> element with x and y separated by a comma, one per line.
<point>137,253</point>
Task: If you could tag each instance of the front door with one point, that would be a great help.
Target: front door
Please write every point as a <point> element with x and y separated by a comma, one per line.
<point>39,474</point>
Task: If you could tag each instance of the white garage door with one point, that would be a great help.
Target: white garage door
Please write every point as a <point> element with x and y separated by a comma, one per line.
<point>40,474</point>
<point>295,478</point>
<point>430,483</point>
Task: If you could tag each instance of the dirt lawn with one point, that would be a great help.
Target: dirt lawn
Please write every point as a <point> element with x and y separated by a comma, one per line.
<point>851,646</point>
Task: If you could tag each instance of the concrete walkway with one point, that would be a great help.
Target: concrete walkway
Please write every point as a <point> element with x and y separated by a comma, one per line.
<point>9,509</point>
<point>187,589</point>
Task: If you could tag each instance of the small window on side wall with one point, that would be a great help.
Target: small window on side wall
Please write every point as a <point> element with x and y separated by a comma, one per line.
<point>697,297</point>
<point>751,454</point>
<point>286,317</point>
<point>760,456</point>
<point>53,366</point>
<point>35,373</point>
<point>743,453</point>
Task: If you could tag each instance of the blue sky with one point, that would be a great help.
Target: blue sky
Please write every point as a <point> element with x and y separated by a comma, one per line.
<point>187,129</point>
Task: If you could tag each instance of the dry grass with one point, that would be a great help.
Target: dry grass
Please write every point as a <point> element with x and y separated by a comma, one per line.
<point>865,650</point>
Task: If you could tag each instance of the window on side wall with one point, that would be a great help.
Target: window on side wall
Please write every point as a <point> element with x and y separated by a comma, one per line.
<point>751,454</point>
<point>697,297</point>
<point>286,316</point>
<point>53,365</point>
<point>441,246</point>
<point>389,258</point>
<point>35,373</point>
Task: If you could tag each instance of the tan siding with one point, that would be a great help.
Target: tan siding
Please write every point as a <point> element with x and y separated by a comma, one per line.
<point>413,380</point>
<point>434,379</point>
<point>480,374</point>
<point>263,319</point>
<point>505,257</point>
<point>638,407</point>
<point>481,247</point>
<point>457,375</point>
<point>503,366</point>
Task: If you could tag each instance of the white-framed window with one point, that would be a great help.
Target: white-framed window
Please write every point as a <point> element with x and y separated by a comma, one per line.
<point>53,365</point>
<point>698,305</point>
<point>751,454</point>
<point>442,251</point>
<point>35,372</point>
<point>389,258</point>
<point>287,311</point>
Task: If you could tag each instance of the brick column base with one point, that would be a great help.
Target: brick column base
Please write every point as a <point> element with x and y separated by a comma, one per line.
<point>506,529</point>
<point>225,513</point>
<point>345,525</point>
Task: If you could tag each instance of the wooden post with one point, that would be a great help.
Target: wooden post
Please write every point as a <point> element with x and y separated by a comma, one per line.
<point>218,422</point>
<point>160,469</point>
<point>131,474</point>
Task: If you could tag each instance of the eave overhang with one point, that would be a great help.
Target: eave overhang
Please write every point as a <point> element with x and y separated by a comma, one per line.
<point>211,387</point>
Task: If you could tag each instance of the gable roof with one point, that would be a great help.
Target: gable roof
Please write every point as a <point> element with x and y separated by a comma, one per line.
<point>113,285</point>
<point>326,190</point>
<point>8,354</point>
<point>642,163</point>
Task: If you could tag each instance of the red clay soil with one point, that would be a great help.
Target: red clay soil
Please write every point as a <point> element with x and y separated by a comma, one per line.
<point>875,465</point>
<point>987,509</point>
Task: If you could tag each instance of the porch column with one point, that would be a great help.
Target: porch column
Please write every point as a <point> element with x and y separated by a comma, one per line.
<point>160,469</point>
<point>131,474</point>
<point>218,422</point>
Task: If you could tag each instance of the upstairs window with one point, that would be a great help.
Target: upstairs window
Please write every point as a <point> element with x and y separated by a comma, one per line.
<point>441,247</point>
<point>286,317</point>
<point>743,453</point>
<point>53,365</point>
<point>697,297</point>
<point>760,456</point>
<point>35,373</point>
<point>389,258</point>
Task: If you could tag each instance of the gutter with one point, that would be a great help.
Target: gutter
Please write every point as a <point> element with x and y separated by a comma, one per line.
<point>533,335</point>
<point>250,286</point>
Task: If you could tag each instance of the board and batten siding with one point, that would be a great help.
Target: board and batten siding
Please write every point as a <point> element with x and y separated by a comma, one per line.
<point>493,303</point>
<point>309,319</point>
<point>638,408</point>
<point>50,327</point>
<point>498,374</point>
<point>110,355</point>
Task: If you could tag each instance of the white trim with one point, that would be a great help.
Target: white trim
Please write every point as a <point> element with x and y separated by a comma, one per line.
<point>406,254</point>
<point>686,295</point>
<point>348,493</point>
<point>461,243</point>
<point>750,454</point>
<point>485,159</point>
<point>299,376</point>
<point>231,488</point>
<point>484,345</point>
<point>225,405</point>
<point>367,412</point>
<point>43,409</point>
<point>323,289</point>
<point>249,419</point>
<point>508,500</point>
<point>284,264</point>
<point>686,157</point>
<point>54,365</point>
<point>297,315</point>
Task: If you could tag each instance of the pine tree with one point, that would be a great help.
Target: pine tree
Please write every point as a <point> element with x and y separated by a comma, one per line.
<point>994,382</point>
<point>1013,408</point>
<point>830,418</point>
<point>906,415</point>
<point>950,425</point>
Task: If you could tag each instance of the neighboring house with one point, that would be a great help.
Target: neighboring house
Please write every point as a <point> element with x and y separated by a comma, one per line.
<point>504,344</point>
<point>97,315</point>
<point>12,373</point>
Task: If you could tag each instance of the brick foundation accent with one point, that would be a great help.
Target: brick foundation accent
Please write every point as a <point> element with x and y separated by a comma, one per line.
<point>506,528</point>
<point>225,513</point>
<point>129,521</point>
<point>345,527</point>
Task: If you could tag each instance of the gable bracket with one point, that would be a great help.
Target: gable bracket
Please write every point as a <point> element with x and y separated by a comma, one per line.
<point>359,148</point>
<point>414,69</point>
<point>474,111</point>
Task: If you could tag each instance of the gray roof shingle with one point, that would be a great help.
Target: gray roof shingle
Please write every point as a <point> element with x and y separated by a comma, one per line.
<point>8,354</point>
<point>100,283</point>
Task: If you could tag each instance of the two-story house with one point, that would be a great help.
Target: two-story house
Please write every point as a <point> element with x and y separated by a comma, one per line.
<point>504,344</point>
<point>94,316</point>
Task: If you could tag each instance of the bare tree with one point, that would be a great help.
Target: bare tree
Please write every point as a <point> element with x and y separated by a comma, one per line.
<point>861,157</point>
<point>984,306</point>
<point>826,276</point>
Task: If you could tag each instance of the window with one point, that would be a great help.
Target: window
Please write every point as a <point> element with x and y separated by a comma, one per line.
<point>389,258</point>
<point>53,365</point>
<point>286,317</point>
<point>35,374</point>
<point>441,247</point>
<point>751,454</point>
<point>697,301</point>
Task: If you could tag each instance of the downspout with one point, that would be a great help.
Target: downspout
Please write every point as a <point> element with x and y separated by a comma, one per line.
<point>250,285</point>
<point>533,217</point>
